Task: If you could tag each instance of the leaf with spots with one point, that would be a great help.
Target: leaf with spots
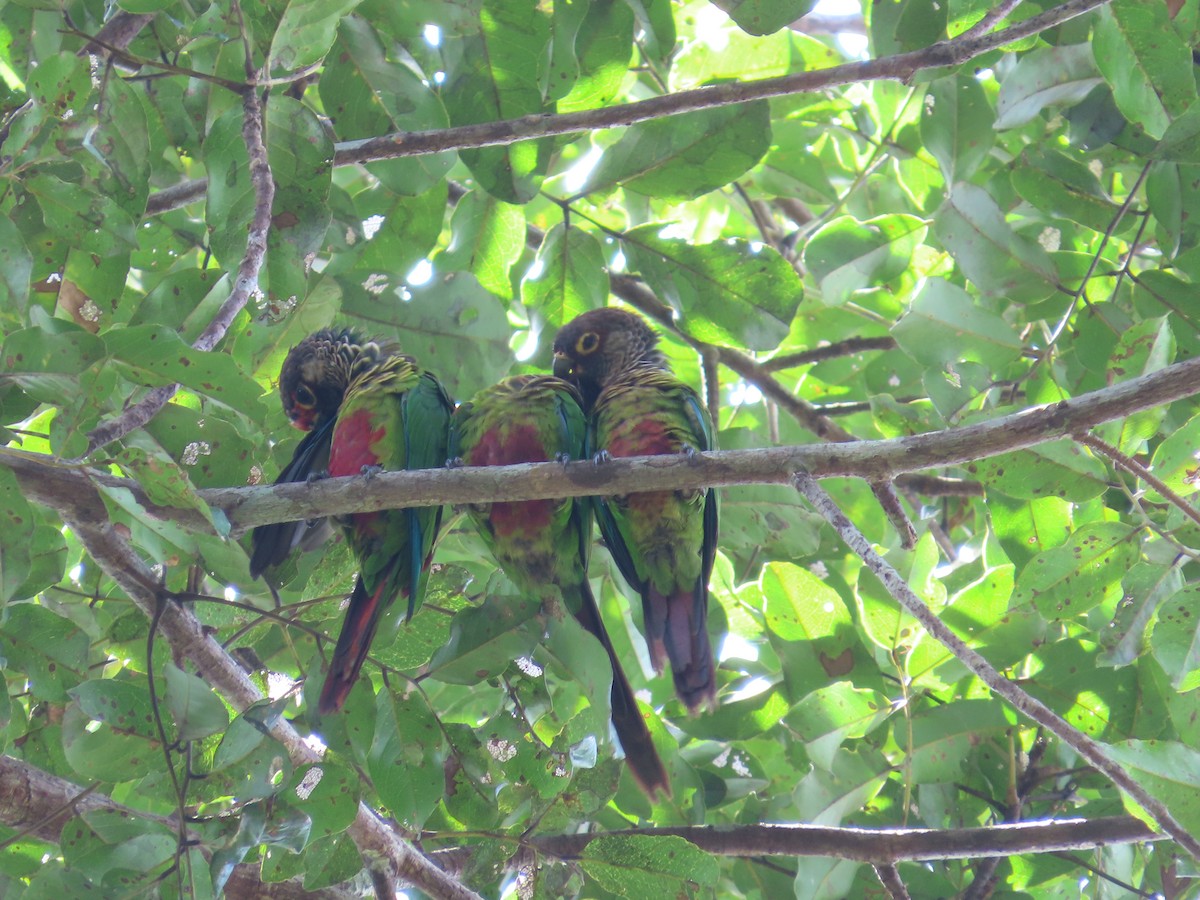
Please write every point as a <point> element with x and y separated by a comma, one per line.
<point>405,759</point>
<point>197,711</point>
<point>48,650</point>
<point>639,866</point>
<point>109,732</point>
<point>727,292</point>
<point>944,737</point>
<point>829,716</point>
<point>1067,581</point>
<point>327,792</point>
<point>1175,640</point>
<point>1169,771</point>
<point>16,517</point>
<point>154,356</point>
<point>1057,469</point>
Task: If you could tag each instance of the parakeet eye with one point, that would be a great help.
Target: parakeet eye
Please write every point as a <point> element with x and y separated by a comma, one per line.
<point>587,343</point>
<point>305,397</point>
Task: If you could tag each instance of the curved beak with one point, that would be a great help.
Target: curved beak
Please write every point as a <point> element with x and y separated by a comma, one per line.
<point>563,366</point>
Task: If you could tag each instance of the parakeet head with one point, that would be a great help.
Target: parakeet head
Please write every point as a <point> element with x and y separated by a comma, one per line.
<point>316,373</point>
<point>592,348</point>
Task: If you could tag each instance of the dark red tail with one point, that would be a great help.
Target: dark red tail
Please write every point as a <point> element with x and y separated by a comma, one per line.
<point>677,630</point>
<point>643,759</point>
<point>354,640</point>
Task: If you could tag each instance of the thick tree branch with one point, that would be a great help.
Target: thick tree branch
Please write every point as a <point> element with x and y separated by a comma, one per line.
<point>248,507</point>
<point>1090,750</point>
<point>883,846</point>
<point>872,460</point>
<point>83,510</point>
<point>39,804</point>
<point>901,67</point>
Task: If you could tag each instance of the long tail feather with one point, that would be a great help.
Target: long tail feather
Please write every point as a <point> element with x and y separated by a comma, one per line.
<point>644,762</point>
<point>358,629</point>
<point>682,635</point>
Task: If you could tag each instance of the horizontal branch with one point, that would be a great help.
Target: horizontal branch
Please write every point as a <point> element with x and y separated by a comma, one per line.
<point>902,67</point>
<point>867,845</point>
<point>871,460</point>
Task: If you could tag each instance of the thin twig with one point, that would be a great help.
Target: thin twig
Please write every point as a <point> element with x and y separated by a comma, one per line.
<point>1086,747</point>
<point>1131,465</point>
<point>244,285</point>
<point>902,67</point>
<point>993,16</point>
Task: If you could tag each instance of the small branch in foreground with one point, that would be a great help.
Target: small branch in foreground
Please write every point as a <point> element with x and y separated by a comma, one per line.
<point>1135,468</point>
<point>1086,747</point>
<point>244,285</point>
<point>39,804</point>
<point>82,509</point>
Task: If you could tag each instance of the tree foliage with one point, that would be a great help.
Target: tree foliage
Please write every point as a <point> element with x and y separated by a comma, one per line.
<point>989,210</point>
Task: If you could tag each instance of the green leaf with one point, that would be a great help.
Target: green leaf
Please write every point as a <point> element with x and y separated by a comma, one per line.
<point>944,326</point>
<point>725,292</point>
<point>368,93</point>
<point>499,74</point>
<point>154,355</point>
<point>567,278</point>
<point>486,237</point>
<point>305,33</point>
<point>847,255</point>
<point>685,156</point>
<point>1169,771</point>
<point>405,760</point>
<point>1174,461</point>
<point>197,711</point>
<point>602,45</point>
<point>956,125</point>
<point>638,866</point>
<point>49,651</point>
<point>1146,62</point>
<point>1048,76</point>
<point>328,794</point>
<point>16,517</point>
<point>1175,639</point>
<point>109,732</point>
<point>944,736</point>
<point>451,325</point>
<point>1069,580</point>
<point>1055,469</point>
<point>992,256</point>
<point>829,716</point>
<point>82,218</point>
<point>828,798</point>
<point>484,640</point>
<point>1064,188</point>
<point>16,267</point>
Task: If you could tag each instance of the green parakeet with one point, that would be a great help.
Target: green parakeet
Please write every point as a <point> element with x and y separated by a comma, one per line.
<point>387,414</point>
<point>664,542</point>
<point>543,544</point>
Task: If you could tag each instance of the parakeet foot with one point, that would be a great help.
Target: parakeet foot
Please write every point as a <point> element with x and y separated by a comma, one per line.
<point>562,457</point>
<point>601,457</point>
<point>371,471</point>
<point>316,476</point>
<point>455,462</point>
<point>690,452</point>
